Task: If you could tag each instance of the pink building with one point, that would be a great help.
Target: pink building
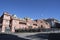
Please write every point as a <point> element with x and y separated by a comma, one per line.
<point>11,22</point>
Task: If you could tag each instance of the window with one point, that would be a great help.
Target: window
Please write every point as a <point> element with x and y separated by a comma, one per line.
<point>41,26</point>
<point>35,24</point>
<point>30,27</point>
<point>22,23</point>
<point>46,23</point>
<point>41,21</point>
<point>7,21</point>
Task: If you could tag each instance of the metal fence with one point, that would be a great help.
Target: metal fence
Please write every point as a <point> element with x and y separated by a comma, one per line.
<point>51,29</point>
<point>40,30</point>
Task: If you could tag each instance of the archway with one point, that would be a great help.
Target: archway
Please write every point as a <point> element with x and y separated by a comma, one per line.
<point>7,29</point>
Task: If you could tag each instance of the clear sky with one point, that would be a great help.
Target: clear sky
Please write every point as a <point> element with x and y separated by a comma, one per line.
<point>35,9</point>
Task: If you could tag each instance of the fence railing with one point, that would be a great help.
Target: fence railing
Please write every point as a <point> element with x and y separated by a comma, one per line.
<point>51,29</point>
<point>39,30</point>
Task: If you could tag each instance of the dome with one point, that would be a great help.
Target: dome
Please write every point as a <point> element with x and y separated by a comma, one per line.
<point>14,15</point>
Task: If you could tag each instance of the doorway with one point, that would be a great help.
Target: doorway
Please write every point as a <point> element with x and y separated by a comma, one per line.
<point>7,29</point>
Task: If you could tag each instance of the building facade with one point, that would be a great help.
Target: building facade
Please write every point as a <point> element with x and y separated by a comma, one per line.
<point>11,22</point>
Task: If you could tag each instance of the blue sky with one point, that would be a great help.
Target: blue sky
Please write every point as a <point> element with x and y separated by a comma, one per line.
<point>35,9</point>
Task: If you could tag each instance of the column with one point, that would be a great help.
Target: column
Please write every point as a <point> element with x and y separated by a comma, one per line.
<point>12,29</point>
<point>3,29</point>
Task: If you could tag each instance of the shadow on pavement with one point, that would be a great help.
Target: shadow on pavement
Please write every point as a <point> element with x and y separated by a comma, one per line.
<point>39,36</point>
<point>51,36</point>
<point>4,36</point>
<point>54,36</point>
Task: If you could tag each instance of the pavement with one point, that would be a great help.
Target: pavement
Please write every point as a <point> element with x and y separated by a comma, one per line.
<point>30,36</point>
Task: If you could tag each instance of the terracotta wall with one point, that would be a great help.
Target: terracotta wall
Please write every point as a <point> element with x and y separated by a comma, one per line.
<point>14,23</point>
<point>5,21</point>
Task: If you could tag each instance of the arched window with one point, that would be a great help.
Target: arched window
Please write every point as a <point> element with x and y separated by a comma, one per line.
<point>41,26</point>
<point>30,27</point>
